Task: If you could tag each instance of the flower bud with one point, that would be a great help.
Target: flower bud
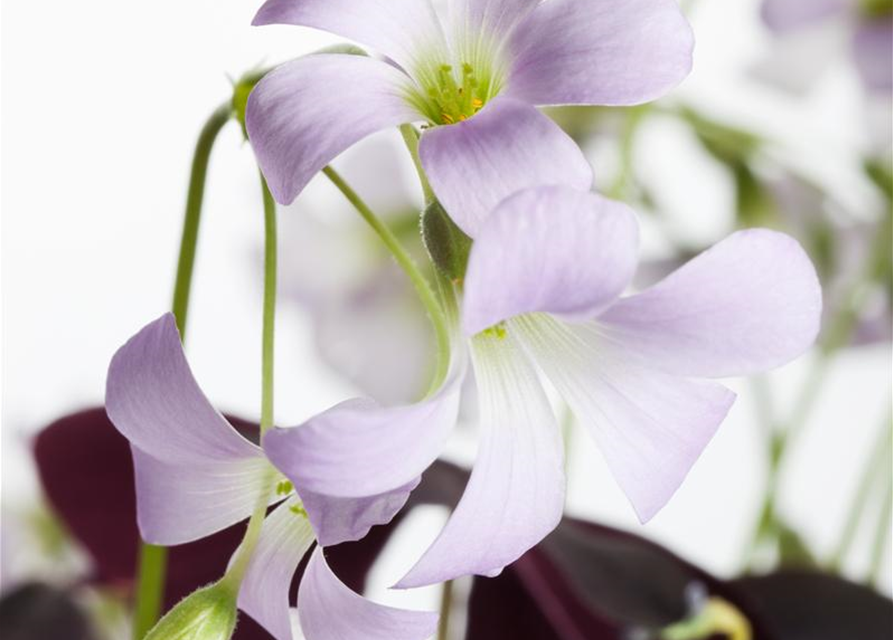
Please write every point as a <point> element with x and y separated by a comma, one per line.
<point>206,614</point>
<point>446,243</point>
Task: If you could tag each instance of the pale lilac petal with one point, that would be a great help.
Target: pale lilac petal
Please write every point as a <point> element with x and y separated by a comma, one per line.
<point>551,249</point>
<point>330,611</point>
<point>356,463</point>
<point>508,146</point>
<point>515,495</point>
<point>154,400</point>
<point>306,112</point>
<point>479,21</point>
<point>178,502</point>
<point>600,52</point>
<point>784,15</point>
<point>195,474</point>
<point>284,540</point>
<point>650,426</point>
<point>336,520</point>
<point>750,303</point>
<point>403,30</point>
<point>873,51</point>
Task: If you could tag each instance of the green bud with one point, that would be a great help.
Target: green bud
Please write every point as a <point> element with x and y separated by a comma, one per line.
<point>446,243</point>
<point>206,614</point>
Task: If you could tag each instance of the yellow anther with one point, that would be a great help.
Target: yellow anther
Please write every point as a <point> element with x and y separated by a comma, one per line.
<point>477,103</point>
<point>447,118</point>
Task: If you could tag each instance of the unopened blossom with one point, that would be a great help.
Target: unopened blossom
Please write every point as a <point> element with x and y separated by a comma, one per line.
<point>542,293</point>
<point>472,79</point>
<point>869,21</point>
<point>196,475</point>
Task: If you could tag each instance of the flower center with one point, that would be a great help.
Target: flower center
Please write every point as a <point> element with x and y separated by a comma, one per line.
<point>449,94</point>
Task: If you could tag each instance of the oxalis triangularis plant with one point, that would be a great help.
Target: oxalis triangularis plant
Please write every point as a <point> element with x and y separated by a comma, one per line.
<point>529,271</point>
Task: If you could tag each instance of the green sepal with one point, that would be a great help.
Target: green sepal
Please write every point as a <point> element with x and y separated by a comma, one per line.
<point>447,244</point>
<point>208,613</point>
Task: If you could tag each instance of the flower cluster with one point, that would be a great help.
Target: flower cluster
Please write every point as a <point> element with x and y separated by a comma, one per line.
<point>541,292</point>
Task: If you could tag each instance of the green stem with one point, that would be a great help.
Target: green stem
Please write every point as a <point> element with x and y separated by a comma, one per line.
<point>876,468</point>
<point>269,320</point>
<point>149,589</point>
<point>411,138</point>
<point>881,535</point>
<point>237,570</point>
<point>446,605</point>
<point>191,220</point>
<point>153,559</point>
<point>423,288</point>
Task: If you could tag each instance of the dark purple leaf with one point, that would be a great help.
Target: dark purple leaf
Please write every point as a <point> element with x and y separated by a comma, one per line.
<point>86,470</point>
<point>808,605</point>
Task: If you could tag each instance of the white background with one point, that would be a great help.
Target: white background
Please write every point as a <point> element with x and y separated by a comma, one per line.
<point>102,101</point>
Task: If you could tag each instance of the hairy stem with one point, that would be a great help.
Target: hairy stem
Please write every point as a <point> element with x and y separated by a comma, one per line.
<point>411,138</point>
<point>423,288</point>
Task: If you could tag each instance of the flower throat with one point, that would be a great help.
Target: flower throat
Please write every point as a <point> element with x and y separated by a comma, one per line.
<point>452,94</point>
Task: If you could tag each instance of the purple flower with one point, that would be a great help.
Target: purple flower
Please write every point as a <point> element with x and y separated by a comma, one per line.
<point>196,475</point>
<point>481,71</point>
<point>870,20</point>
<point>542,288</point>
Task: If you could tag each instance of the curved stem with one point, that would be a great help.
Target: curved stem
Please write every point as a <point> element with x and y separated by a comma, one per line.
<point>422,287</point>
<point>194,199</point>
<point>153,559</point>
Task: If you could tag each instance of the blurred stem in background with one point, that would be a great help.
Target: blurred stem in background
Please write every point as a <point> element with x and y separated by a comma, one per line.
<point>770,527</point>
<point>153,559</point>
<point>446,605</point>
<point>877,471</point>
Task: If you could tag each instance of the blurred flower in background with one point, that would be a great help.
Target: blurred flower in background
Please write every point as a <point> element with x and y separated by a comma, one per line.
<point>368,323</point>
<point>868,25</point>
